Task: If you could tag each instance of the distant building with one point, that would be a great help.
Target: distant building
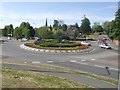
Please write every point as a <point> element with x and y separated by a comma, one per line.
<point>71,30</point>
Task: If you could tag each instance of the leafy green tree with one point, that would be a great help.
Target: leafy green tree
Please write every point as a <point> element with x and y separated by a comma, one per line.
<point>26,32</point>
<point>59,35</point>
<point>107,27</point>
<point>97,27</point>
<point>30,32</point>
<point>117,19</point>
<point>115,34</point>
<point>17,33</point>
<point>4,31</point>
<point>77,26</point>
<point>7,30</point>
<point>64,27</point>
<point>44,33</point>
<point>116,30</point>
<point>56,24</point>
<point>85,26</point>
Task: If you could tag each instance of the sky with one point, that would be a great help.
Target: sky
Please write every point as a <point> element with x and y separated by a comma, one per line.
<point>70,12</point>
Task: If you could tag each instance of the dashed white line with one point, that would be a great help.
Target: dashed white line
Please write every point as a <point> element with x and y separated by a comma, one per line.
<point>73,61</point>
<point>25,62</point>
<point>83,60</point>
<point>104,67</point>
<point>37,62</point>
<point>114,69</point>
<point>99,66</point>
<point>50,61</point>
<point>84,63</point>
<point>93,59</point>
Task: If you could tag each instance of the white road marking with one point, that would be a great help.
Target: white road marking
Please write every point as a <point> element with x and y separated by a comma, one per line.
<point>36,62</point>
<point>50,61</point>
<point>73,61</point>
<point>25,62</point>
<point>93,59</point>
<point>99,66</point>
<point>114,69</point>
<point>83,60</point>
<point>84,63</point>
<point>104,67</point>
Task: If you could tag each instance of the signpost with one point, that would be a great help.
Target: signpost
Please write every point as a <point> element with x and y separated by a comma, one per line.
<point>107,69</point>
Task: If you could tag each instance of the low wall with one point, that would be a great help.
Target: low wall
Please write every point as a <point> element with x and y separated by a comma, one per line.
<point>117,42</point>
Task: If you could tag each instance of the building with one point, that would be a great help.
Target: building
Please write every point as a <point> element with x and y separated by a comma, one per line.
<point>71,30</point>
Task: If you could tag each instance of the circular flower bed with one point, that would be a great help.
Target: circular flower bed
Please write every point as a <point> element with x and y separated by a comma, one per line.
<point>57,46</point>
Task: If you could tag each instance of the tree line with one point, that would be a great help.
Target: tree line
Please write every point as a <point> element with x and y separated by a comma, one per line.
<point>59,29</point>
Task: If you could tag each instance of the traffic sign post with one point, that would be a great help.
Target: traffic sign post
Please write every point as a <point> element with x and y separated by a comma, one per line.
<point>107,69</point>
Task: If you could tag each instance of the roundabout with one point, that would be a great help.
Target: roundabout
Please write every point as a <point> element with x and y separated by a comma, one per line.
<point>91,62</point>
<point>56,51</point>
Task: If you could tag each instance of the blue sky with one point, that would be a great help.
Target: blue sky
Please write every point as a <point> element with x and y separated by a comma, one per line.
<point>70,12</point>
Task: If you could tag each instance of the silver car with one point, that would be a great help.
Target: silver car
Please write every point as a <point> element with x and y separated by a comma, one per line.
<point>105,46</point>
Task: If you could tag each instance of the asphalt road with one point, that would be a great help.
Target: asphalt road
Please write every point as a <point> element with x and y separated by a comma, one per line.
<point>93,62</point>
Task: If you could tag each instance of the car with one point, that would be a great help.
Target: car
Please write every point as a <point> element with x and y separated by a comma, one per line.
<point>85,43</point>
<point>24,39</point>
<point>105,46</point>
<point>9,38</point>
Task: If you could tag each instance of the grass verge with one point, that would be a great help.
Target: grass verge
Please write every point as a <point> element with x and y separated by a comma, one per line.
<point>57,68</point>
<point>13,78</point>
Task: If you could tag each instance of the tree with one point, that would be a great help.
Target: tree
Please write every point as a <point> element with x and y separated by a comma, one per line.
<point>4,31</point>
<point>116,34</point>
<point>44,33</point>
<point>26,33</point>
<point>116,30</point>
<point>50,28</point>
<point>17,33</point>
<point>97,27</point>
<point>76,25</point>
<point>85,26</point>
<point>107,27</point>
<point>59,35</point>
<point>56,24</point>
<point>29,29</point>
<point>64,27</point>
<point>8,29</point>
<point>117,19</point>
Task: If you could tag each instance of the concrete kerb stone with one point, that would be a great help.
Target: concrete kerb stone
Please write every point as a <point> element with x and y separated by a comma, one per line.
<point>55,51</point>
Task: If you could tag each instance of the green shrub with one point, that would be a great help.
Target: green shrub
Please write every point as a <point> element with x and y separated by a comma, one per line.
<point>55,46</point>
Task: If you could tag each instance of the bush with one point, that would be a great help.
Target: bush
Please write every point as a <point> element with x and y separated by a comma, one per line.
<point>55,44</point>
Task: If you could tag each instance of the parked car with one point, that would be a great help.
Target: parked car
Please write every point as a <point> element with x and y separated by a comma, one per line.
<point>85,43</point>
<point>9,38</point>
<point>105,46</point>
<point>24,39</point>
